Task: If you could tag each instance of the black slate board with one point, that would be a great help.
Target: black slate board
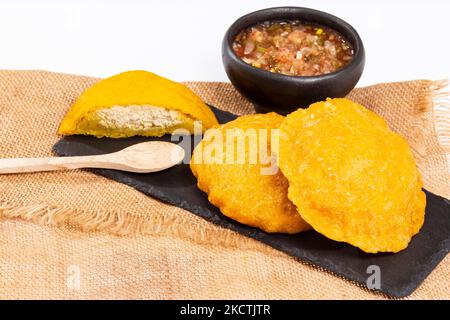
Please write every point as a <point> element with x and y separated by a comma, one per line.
<point>401,273</point>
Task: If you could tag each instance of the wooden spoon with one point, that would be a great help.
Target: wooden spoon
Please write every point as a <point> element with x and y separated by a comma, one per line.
<point>141,158</point>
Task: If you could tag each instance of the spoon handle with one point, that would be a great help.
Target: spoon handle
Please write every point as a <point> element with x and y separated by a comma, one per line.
<point>22,165</point>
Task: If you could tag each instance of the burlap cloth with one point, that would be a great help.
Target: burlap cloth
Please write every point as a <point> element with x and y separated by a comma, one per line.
<point>119,244</point>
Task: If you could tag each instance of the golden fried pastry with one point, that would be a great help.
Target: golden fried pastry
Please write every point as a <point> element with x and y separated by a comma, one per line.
<point>136,103</point>
<point>251,192</point>
<point>352,178</point>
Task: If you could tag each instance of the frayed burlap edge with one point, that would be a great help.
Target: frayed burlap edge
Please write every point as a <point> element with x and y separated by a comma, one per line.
<point>440,97</point>
<point>122,223</point>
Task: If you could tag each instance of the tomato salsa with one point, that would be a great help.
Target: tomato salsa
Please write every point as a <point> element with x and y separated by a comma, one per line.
<point>293,48</point>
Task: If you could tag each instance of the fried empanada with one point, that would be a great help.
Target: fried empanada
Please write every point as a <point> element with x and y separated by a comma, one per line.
<point>351,177</point>
<point>245,190</point>
<point>136,103</point>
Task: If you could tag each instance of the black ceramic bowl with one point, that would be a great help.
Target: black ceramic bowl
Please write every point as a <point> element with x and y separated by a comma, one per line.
<point>270,91</point>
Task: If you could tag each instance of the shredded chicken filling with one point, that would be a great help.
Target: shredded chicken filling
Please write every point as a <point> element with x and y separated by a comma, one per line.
<point>138,117</point>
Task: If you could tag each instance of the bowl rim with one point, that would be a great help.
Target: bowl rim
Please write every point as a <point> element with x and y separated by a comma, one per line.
<point>358,57</point>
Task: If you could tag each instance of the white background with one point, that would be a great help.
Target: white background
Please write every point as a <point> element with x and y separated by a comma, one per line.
<point>182,39</point>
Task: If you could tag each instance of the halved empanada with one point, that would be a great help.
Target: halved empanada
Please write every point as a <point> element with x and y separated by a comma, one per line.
<point>136,103</point>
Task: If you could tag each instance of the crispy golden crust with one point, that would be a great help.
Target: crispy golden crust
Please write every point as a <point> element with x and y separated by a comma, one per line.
<point>240,191</point>
<point>351,178</point>
<point>136,88</point>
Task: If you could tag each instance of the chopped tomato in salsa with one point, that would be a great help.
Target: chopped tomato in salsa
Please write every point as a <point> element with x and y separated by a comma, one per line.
<point>293,48</point>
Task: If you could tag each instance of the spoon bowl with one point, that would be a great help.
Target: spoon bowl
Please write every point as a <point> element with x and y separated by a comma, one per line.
<point>149,156</point>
